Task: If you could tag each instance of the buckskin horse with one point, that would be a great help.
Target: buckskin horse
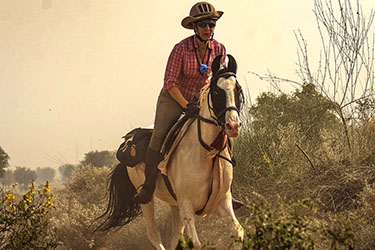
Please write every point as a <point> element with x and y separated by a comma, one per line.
<point>199,171</point>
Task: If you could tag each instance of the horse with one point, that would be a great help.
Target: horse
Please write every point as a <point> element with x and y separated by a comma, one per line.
<point>189,168</point>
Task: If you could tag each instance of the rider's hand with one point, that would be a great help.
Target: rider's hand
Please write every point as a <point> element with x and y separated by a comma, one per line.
<point>192,109</point>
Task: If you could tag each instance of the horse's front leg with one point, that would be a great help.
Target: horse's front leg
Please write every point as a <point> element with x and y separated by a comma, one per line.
<point>188,218</point>
<point>152,229</point>
<point>177,227</point>
<point>225,209</point>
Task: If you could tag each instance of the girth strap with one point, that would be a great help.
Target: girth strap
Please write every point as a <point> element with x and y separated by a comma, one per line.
<point>169,186</point>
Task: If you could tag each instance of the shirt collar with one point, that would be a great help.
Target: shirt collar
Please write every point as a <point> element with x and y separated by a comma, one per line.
<point>193,44</point>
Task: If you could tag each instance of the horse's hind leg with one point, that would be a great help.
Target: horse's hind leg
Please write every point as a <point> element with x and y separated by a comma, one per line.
<point>152,229</point>
<point>177,227</point>
<point>225,209</point>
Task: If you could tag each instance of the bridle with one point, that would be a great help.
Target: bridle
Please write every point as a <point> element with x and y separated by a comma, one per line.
<point>219,117</point>
<point>216,117</point>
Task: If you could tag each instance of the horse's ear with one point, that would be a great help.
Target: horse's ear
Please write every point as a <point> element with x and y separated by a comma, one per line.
<point>216,64</point>
<point>232,65</point>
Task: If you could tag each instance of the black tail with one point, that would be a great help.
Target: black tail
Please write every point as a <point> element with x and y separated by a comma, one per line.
<point>121,208</point>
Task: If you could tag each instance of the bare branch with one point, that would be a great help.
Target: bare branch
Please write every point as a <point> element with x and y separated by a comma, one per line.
<point>273,79</point>
<point>346,64</point>
<point>307,157</point>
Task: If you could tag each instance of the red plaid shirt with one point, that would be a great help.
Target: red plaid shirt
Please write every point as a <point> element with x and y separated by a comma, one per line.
<point>183,67</point>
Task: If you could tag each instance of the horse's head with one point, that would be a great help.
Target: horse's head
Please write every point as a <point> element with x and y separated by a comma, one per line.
<point>226,95</point>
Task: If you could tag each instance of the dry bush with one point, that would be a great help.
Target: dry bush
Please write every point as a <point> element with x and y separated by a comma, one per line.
<point>364,223</point>
<point>284,165</point>
<point>278,169</point>
<point>77,205</point>
<point>82,200</point>
<point>363,137</point>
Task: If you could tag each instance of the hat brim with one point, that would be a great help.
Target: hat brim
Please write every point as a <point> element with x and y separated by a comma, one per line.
<point>188,21</point>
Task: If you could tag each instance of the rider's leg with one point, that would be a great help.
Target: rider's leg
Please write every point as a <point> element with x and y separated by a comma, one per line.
<point>167,113</point>
<point>152,160</point>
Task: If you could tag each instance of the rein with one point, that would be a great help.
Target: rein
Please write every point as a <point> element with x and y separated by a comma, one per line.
<point>216,122</point>
<point>209,148</point>
<point>200,118</point>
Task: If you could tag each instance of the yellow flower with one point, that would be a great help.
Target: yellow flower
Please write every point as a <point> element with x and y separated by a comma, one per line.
<point>46,188</point>
<point>14,185</point>
<point>27,199</point>
<point>9,198</point>
<point>266,159</point>
<point>49,203</point>
<point>28,196</point>
<point>32,189</point>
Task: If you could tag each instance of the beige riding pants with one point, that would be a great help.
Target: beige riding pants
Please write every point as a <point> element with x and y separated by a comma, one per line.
<point>167,113</point>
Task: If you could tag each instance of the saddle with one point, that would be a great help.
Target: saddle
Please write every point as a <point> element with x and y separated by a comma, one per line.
<point>133,150</point>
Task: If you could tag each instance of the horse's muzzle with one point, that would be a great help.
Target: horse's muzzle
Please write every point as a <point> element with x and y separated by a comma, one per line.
<point>232,129</point>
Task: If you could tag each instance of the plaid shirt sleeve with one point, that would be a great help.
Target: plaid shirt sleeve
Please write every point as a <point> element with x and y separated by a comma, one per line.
<point>174,67</point>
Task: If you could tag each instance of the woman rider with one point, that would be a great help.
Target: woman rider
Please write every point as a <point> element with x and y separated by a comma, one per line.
<point>188,69</point>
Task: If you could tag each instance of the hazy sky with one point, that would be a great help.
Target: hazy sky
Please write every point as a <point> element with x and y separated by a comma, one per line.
<point>76,75</point>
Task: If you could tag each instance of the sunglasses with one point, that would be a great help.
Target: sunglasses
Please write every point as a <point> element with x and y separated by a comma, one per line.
<point>204,24</point>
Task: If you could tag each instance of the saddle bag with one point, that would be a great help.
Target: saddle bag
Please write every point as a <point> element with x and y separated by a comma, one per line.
<point>133,150</point>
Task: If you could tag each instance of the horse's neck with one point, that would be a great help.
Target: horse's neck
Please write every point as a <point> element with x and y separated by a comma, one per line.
<point>208,131</point>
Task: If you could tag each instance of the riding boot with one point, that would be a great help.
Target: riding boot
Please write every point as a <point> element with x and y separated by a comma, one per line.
<point>153,158</point>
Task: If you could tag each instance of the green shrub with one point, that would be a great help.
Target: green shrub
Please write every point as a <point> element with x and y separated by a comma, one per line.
<point>24,224</point>
<point>294,148</point>
<point>300,225</point>
<point>269,228</point>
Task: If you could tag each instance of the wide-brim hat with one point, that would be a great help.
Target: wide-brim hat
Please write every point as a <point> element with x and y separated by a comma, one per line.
<point>200,11</point>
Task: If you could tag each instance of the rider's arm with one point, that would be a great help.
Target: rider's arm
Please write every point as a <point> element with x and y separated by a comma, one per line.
<point>172,73</point>
<point>176,94</point>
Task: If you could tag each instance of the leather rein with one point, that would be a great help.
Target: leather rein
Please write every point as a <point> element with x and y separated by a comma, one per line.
<point>216,122</point>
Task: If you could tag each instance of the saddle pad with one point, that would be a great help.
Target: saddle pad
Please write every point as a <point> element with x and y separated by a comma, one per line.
<point>168,149</point>
<point>172,134</point>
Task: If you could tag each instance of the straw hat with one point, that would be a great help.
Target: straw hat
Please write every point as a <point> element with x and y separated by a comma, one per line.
<point>200,11</point>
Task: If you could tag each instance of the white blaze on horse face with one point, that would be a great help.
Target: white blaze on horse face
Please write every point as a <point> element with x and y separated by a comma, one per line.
<point>232,121</point>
